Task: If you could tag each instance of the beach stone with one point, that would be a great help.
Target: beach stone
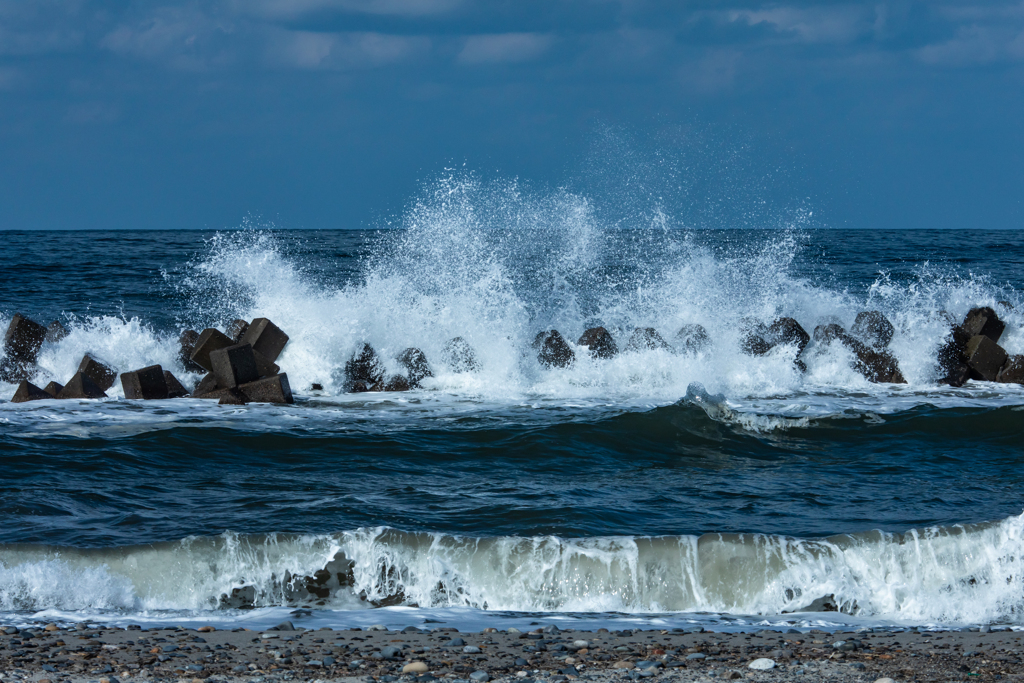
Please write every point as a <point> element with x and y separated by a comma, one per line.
<point>1011,373</point>
<point>886,679</point>
<point>24,338</point>
<point>480,676</point>
<point>265,337</point>
<point>694,656</point>
<point>390,652</point>
<point>55,332</point>
<point>599,341</point>
<point>416,366</point>
<point>268,390</point>
<point>762,664</point>
<point>984,357</point>
<point>236,329</point>
<point>553,350</point>
<point>186,345</point>
<point>873,328</point>
<point>234,365</point>
<point>53,388</point>
<point>459,356</point>
<point>623,664</point>
<point>985,322</point>
<point>175,389</point>
<point>206,385</point>
<point>364,367</point>
<point>646,339</point>
<point>415,668</point>
<point>209,341</point>
<point>692,339</point>
<point>147,383</point>
<point>471,650</point>
<point>100,373</point>
<point>81,386</point>
<point>27,391</point>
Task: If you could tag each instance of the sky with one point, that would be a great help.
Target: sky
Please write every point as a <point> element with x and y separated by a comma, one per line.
<point>338,113</point>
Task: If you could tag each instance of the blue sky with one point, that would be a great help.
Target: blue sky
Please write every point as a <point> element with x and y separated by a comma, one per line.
<point>332,113</point>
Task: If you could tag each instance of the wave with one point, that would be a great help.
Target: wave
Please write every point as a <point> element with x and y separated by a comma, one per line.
<point>956,574</point>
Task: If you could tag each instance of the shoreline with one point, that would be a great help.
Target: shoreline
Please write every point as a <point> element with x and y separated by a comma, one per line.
<point>549,654</point>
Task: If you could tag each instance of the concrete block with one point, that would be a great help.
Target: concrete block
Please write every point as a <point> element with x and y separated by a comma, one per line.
<point>81,386</point>
<point>234,365</point>
<point>1013,371</point>
<point>206,385</point>
<point>232,397</point>
<point>393,383</point>
<point>187,344</point>
<point>878,365</point>
<point>209,341</point>
<point>552,349</point>
<point>27,391</point>
<point>264,366</point>
<point>364,366</point>
<point>599,341</point>
<point>23,339</point>
<point>787,331</point>
<point>984,357</point>
<point>873,328</point>
<point>14,370</point>
<point>175,389</point>
<point>53,388</point>
<point>826,334</point>
<point>459,356</point>
<point>236,329</point>
<point>952,358</point>
<point>983,321</point>
<point>265,337</point>
<point>647,339</point>
<point>55,332</point>
<point>692,338</point>
<point>145,384</point>
<point>100,373</point>
<point>416,366</point>
<point>754,338</point>
<point>268,390</point>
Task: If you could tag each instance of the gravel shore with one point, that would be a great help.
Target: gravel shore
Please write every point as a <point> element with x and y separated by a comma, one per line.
<point>548,655</point>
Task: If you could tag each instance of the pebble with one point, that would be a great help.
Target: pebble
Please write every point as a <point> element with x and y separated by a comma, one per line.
<point>415,668</point>
<point>762,664</point>
<point>391,652</point>
<point>696,655</point>
<point>884,680</point>
<point>480,676</point>
<point>471,650</point>
<point>623,664</point>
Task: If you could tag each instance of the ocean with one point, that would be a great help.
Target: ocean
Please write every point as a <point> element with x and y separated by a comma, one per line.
<point>656,488</point>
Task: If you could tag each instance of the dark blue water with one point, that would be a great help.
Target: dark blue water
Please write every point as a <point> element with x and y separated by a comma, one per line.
<point>444,485</point>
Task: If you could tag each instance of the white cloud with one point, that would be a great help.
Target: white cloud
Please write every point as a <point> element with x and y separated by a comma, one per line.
<point>180,37</point>
<point>311,50</point>
<point>290,9</point>
<point>504,48</point>
<point>839,24</point>
<point>976,45</point>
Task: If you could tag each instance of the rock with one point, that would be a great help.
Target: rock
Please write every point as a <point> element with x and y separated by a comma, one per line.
<point>884,680</point>
<point>459,356</point>
<point>985,358</point>
<point>390,652</point>
<point>268,390</point>
<point>694,656</point>
<point>762,664</point>
<point>416,367</point>
<point>415,668</point>
<point>553,350</point>
<point>27,391</point>
<point>732,675</point>
<point>363,367</point>
<point>209,341</point>
<point>623,664</point>
<point>53,388</point>
<point>236,329</point>
<point>1011,373</point>
<point>174,387</point>
<point>81,386</point>
<point>471,650</point>
<point>692,339</point>
<point>234,366</point>
<point>599,341</point>
<point>187,344</point>
<point>983,321</point>
<point>24,338</point>
<point>479,677</point>
<point>206,385</point>
<point>873,328</point>
<point>206,629</point>
<point>266,338</point>
<point>394,383</point>
<point>646,339</point>
<point>100,373</point>
<point>55,332</point>
<point>147,383</point>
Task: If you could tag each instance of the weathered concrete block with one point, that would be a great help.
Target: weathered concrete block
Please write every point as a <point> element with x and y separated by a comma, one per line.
<point>55,332</point>
<point>236,330</point>
<point>826,334</point>
<point>145,384</point>
<point>952,358</point>
<point>232,397</point>
<point>100,373</point>
<point>187,344</point>
<point>1013,371</point>
<point>393,383</point>
<point>459,356</point>
<point>81,386</point>
<point>878,365</point>
<point>264,366</point>
<point>209,341</point>
<point>753,340</point>
<point>265,337</point>
<point>553,350</point>
<point>206,385</point>
<point>53,388</point>
<point>647,339</point>
<point>692,338</point>
<point>599,341</point>
<point>873,328</point>
<point>27,391</point>
<point>268,390</point>
<point>983,321</point>
<point>175,389</point>
<point>787,331</point>
<point>984,357</point>
<point>14,369</point>
<point>416,366</point>
<point>234,365</point>
<point>24,338</point>
<point>364,366</point>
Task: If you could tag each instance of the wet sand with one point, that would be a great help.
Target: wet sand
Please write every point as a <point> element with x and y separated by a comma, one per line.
<point>549,655</point>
